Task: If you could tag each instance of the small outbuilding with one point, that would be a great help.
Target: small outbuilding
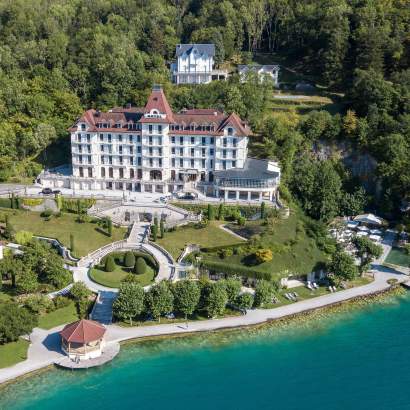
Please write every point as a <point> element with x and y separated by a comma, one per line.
<point>83,339</point>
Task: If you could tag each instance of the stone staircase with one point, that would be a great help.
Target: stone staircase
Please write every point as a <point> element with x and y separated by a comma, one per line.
<point>102,309</point>
<point>139,233</point>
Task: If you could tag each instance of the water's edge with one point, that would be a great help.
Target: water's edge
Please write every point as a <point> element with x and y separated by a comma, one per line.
<point>303,318</point>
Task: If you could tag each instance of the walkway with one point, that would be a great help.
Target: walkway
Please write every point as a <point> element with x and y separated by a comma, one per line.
<point>45,349</point>
<point>102,309</point>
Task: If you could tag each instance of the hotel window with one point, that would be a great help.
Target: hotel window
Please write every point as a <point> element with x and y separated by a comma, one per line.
<point>150,140</point>
<point>160,162</point>
<point>80,159</point>
<point>111,173</point>
<point>89,149</point>
<point>139,161</point>
<point>192,163</point>
<point>120,138</point>
<point>150,129</point>
<point>120,149</point>
<point>211,151</point>
<point>83,127</point>
<point>109,137</point>
<point>80,149</point>
<point>181,163</point>
<point>90,172</point>
<point>103,172</point>
<point>151,162</point>
<point>173,151</point>
<point>131,161</point>
<point>132,173</point>
<point>192,152</point>
<point>234,154</point>
<point>138,138</point>
<point>172,140</point>
<point>224,164</point>
<point>159,129</point>
<point>234,164</point>
<point>110,159</point>
<point>130,139</point>
<point>101,137</point>
<point>203,141</point>
<point>160,141</point>
<point>230,131</point>
<point>131,150</point>
<point>102,159</point>
<point>203,163</point>
<point>211,163</point>
<point>192,140</point>
<point>181,152</point>
<point>81,171</point>
<point>121,160</point>
<point>88,137</point>
<point>78,137</point>
<point>224,153</point>
<point>224,142</point>
<point>89,159</point>
<point>139,149</point>
<point>160,152</point>
<point>203,151</point>
<point>212,140</point>
<point>181,140</point>
<point>150,150</point>
<point>121,172</point>
<point>235,142</point>
<point>173,162</point>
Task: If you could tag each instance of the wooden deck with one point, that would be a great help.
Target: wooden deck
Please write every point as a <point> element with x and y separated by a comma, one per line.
<point>110,351</point>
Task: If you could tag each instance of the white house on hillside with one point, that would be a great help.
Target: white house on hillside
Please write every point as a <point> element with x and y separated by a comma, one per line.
<point>263,72</point>
<point>195,64</point>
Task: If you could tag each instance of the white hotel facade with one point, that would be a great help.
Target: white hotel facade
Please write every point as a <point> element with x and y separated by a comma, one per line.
<point>152,149</point>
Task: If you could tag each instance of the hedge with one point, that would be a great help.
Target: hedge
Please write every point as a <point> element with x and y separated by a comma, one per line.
<point>119,258</point>
<point>218,248</point>
<point>246,210</point>
<point>5,202</point>
<point>70,205</point>
<point>231,270</point>
<point>32,201</point>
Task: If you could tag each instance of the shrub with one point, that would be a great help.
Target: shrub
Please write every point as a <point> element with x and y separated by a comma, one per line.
<point>23,237</point>
<point>46,213</point>
<point>61,302</point>
<point>32,201</point>
<point>263,293</point>
<point>263,255</point>
<point>5,202</point>
<point>140,266</point>
<point>109,264</point>
<point>38,304</point>
<point>154,231</point>
<point>129,260</point>
<point>244,301</point>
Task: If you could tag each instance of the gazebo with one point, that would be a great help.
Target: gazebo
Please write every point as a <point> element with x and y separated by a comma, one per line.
<point>83,339</point>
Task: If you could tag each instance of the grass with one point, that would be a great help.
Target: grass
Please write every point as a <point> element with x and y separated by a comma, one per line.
<point>113,279</point>
<point>293,250</point>
<point>87,235</point>
<point>58,317</point>
<point>398,256</point>
<point>12,353</point>
<point>212,235</point>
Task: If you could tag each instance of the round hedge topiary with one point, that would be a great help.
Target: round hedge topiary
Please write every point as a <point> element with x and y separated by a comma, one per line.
<point>129,260</point>
<point>140,266</point>
<point>109,264</point>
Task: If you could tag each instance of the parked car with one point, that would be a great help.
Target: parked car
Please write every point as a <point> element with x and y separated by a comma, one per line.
<point>46,191</point>
<point>56,191</point>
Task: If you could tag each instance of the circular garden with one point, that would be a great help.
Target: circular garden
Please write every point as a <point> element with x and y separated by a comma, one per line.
<point>130,266</point>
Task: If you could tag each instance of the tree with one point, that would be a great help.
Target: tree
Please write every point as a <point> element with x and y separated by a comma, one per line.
<point>215,299</point>
<point>129,302</point>
<point>154,232</point>
<point>9,230</point>
<point>221,212</point>
<point>233,287</point>
<point>264,293</point>
<point>129,259</point>
<point>263,210</point>
<point>27,281</point>
<point>140,266</point>
<point>162,228</point>
<point>80,293</point>
<point>342,266</point>
<point>72,243</point>
<point>160,300</point>
<point>109,226</point>
<point>210,212</point>
<point>109,264</point>
<point>263,255</point>
<point>187,294</point>
<point>15,321</point>
<point>23,237</point>
<point>244,300</point>
<point>367,251</point>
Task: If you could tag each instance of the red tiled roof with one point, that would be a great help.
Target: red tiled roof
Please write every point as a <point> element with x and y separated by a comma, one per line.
<point>83,331</point>
<point>158,101</point>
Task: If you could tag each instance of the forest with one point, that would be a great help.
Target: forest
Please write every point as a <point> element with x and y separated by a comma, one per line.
<point>59,57</point>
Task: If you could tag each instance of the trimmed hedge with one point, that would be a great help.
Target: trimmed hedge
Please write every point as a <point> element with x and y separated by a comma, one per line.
<point>218,248</point>
<point>5,202</point>
<point>119,258</point>
<point>71,205</point>
<point>228,210</point>
<point>231,270</point>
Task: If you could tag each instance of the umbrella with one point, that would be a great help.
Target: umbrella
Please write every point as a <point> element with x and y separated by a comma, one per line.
<point>369,219</point>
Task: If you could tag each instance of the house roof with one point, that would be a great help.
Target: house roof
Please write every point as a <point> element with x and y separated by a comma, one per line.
<point>208,49</point>
<point>158,101</point>
<point>253,169</point>
<point>83,331</point>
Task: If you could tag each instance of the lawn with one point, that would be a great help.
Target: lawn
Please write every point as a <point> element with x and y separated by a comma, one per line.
<point>87,235</point>
<point>12,353</point>
<point>113,279</point>
<point>212,235</point>
<point>58,317</point>
<point>293,250</point>
<point>398,256</point>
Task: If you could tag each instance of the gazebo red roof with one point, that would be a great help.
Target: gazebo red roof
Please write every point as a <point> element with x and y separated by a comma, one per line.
<point>83,331</point>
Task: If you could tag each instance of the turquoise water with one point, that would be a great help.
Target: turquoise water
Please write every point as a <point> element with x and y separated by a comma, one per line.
<point>351,361</point>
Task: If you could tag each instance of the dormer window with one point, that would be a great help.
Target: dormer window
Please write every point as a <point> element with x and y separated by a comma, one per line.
<point>83,127</point>
<point>230,131</point>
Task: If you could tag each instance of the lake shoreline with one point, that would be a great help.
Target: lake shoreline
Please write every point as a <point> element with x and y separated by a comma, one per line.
<point>354,303</point>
